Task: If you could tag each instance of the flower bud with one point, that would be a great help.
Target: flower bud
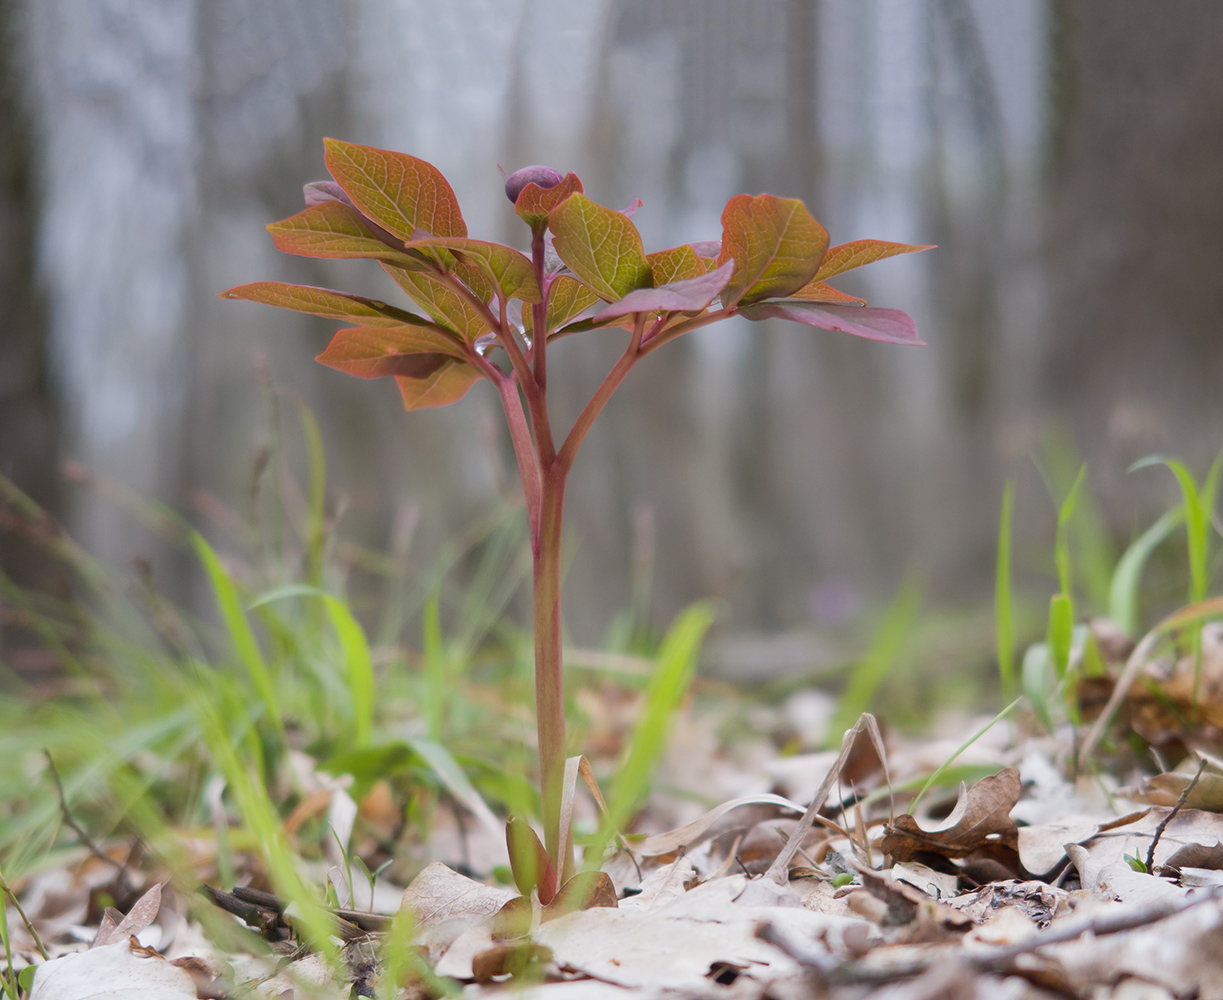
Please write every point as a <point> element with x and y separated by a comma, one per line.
<point>545,177</point>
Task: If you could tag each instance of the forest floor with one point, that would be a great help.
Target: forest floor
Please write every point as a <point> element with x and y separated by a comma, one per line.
<point>1064,865</point>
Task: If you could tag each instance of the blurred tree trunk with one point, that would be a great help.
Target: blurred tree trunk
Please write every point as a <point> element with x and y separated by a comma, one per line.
<point>1136,234</point>
<point>27,419</point>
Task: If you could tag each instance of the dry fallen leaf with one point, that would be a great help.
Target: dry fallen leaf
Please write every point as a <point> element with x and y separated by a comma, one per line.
<point>439,893</point>
<point>447,904</point>
<point>112,972</point>
<point>142,913</point>
<point>1166,789</point>
<point>979,826</point>
<point>1196,856</point>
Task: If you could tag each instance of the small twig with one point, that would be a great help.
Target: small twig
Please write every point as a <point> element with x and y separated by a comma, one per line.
<point>1163,823</point>
<point>6,891</point>
<point>803,854</point>
<point>72,823</point>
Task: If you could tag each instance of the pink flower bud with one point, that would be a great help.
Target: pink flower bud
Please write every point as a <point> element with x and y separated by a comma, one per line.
<point>545,177</point>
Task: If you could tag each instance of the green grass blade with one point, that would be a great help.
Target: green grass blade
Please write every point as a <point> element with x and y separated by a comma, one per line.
<point>316,531</point>
<point>1004,604</point>
<point>1061,546</point>
<point>1123,592</point>
<point>1197,521</point>
<point>455,781</point>
<point>259,815</point>
<point>872,670</point>
<point>960,749</point>
<point>240,633</point>
<point>435,665</point>
<point>677,660</point>
<point>9,981</point>
<point>1036,687</point>
<point>1060,635</point>
<point>359,666</point>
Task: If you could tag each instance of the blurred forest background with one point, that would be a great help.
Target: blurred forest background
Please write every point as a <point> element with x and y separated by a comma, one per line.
<point>1066,155</point>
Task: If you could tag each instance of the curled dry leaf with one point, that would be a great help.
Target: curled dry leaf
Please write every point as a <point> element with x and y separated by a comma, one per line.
<point>981,821</point>
<point>1197,856</point>
<point>699,830</point>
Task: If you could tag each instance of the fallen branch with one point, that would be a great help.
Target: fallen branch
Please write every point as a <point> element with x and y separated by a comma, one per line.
<point>994,960</point>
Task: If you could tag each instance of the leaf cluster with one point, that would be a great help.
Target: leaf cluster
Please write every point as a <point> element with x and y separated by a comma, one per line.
<point>476,296</point>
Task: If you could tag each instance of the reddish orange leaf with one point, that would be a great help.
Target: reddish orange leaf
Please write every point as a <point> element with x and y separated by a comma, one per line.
<point>889,326</point>
<point>676,264</point>
<point>821,291</point>
<point>324,302</point>
<point>333,230</point>
<point>375,351</point>
<point>535,203</point>
<point>447,385</point>
<point>399,192</point>
<point>690,295</point>
<point>776,245</point>
<point>847,256</point>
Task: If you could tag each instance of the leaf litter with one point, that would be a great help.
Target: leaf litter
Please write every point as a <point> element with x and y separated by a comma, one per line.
<point>1027,882</point>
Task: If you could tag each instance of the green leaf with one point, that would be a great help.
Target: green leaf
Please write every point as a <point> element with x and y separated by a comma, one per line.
<point>676,264</point>
<point>847,256</point>
<point>509,270</point>
<point>334,231</point>
<point>447,385</point>
<point>776,245</point>
<point>1123,591</point>
<point>324,302</point>
<point>441,302</point>
<point>535,203</point>
<point>399,192</point>
<point>600,246</point>
<point>567,298</point>
<point>375,352</point>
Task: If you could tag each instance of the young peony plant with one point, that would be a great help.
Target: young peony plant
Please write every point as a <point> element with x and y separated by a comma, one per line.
<point>490,312</point>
